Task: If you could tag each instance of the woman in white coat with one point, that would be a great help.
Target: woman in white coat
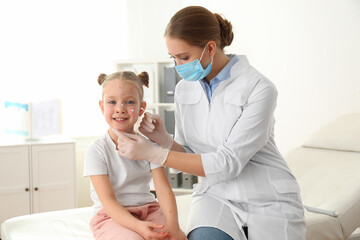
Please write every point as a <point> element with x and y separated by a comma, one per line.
<point>224,111</point>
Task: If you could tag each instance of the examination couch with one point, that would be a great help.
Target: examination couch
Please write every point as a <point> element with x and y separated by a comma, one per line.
<point>327,167</point>
<point>71,224</point>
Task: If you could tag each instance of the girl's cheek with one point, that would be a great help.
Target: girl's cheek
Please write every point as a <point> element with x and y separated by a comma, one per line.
<point>109,110</point>
<point>133,112</point>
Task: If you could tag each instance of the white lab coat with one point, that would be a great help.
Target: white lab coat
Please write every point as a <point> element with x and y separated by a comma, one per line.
<point>244,170</point>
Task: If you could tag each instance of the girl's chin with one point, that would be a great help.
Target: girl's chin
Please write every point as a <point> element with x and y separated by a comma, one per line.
<point>125,130</point>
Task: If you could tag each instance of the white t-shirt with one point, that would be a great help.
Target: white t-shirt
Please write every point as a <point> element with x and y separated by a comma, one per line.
<point>130,179</point>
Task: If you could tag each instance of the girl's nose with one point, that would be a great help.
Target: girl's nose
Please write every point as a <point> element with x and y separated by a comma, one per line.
<point>120,108</point>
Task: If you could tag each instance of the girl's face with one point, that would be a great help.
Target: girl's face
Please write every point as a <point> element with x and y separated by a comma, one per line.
<point>121,105</point>
<point>183,52</point>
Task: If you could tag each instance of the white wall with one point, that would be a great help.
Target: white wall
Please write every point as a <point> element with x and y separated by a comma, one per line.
<point>56,49</point>
<point>309,48</point>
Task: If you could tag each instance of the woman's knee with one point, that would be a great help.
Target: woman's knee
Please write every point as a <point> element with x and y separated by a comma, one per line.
<point>208,233</point>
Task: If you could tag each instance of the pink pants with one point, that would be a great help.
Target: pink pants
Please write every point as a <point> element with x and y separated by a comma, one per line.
<point>104,228</point>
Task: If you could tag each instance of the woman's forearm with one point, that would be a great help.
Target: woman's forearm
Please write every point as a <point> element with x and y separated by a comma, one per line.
<point>186,162</point>
<point>177,147</point>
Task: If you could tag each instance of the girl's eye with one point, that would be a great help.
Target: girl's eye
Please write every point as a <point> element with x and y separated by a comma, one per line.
<point>130,102</point>
<point>112,102</point>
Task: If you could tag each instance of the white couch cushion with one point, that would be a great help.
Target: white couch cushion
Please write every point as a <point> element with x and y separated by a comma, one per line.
<point>342,133</point>
<point>322,227</point>
<point>329,180</point>
<point>63,224</point>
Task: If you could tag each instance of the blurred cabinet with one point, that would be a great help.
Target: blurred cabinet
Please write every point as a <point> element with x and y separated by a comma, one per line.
<point>36,177</point>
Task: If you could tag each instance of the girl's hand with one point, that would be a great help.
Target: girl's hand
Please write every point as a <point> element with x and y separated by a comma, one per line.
<point>153,127</point>
<point>176,234</point>
<point>146,230</point>
<point>136,147</point>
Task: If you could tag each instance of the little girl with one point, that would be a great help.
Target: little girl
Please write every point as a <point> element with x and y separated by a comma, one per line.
<point>124,206</point>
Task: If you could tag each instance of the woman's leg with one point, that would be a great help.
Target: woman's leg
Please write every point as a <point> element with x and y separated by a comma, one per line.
<point>203,214</point>
<point>208,233</point>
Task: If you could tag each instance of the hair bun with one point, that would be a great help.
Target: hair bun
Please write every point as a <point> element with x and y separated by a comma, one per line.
<point>144,77</point>
<point>101,78</point>
<point>226,32</point>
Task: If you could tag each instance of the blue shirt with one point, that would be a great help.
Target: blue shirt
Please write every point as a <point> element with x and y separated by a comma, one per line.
<point>224,74</point>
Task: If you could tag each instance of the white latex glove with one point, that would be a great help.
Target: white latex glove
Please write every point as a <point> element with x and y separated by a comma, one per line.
<point>153,127</point>
<point>136,147</point>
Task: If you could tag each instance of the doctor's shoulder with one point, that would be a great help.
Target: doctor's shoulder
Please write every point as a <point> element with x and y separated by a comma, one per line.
<point>262,88</point>
<point>250,87</point>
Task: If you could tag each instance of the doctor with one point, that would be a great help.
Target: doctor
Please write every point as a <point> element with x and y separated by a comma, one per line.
<point>224,111</point>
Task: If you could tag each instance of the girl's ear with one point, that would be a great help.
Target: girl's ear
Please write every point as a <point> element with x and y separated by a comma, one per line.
<point>142,108</point>
<point>101,105</point>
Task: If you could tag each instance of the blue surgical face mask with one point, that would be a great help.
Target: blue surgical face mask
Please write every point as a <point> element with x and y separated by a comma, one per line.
<point>193,71</point>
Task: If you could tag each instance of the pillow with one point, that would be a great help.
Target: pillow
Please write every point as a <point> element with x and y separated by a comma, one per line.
<point>342,133</point>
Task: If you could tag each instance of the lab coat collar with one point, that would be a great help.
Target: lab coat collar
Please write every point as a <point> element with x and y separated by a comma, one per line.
<point>239,67</point>
<point>240,85</point>
<point>224,74</point>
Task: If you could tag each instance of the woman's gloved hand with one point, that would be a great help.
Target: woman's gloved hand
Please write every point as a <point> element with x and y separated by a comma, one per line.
<point>136,147</point>
<point>153,127</point>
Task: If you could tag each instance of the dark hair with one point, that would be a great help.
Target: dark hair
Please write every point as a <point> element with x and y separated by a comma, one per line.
<point>142,79</point>
<point>197,26</point>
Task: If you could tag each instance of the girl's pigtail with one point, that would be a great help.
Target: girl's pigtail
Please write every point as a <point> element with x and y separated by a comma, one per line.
<point>144,77</point>
<point>101,78</point>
